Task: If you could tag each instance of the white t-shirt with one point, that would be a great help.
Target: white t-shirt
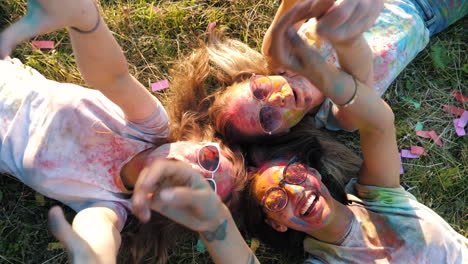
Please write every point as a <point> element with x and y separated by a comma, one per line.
<point>390,226</point>
<point>69,142</point>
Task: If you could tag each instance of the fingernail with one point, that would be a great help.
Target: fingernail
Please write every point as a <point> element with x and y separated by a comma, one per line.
<point>166,195</point>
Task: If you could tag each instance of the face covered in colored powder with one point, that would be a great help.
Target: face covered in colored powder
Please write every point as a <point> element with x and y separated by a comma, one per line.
<point>207,158</point>
<point>293,196</point>
<point>271,104</point>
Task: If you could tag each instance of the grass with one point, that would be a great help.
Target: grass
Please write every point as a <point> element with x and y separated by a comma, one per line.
<point>153,40</point>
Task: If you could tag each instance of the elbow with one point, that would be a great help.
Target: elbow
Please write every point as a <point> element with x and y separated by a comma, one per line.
<point>106,77</point>
<point>385,122</point>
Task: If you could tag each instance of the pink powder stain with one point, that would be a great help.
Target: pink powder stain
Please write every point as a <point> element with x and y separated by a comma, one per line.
<point>109,151</point>
<point>252,122</point>
<point>48,164</point>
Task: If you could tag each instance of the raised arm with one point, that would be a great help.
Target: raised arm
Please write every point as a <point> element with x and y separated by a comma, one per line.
<point>320,7</point>
<point>365,109</point>
<point>94,237</point>
<point>182,194</point>
<point>100,59</point>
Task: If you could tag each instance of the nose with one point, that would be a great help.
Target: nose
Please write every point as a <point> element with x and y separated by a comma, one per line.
<point>293,191</point>
<point>280,97</point>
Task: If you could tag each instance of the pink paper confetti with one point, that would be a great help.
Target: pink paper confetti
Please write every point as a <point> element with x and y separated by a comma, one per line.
<point>407,154</point>
<point>430,134</point>
<point>436,138</point>
<point>43,44</point>
<point>422,133</point>
<point>459,96</point>
<point>401,166</point>
<point>463,119</point>
<point>158,86</point>
<point>418,150</point>
<point>211,26</point>
<point>155,9</point>
<point>460,130</point>
<point>454,110</point>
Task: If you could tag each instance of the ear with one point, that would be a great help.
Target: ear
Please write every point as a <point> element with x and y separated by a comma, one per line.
<point>276,226</point>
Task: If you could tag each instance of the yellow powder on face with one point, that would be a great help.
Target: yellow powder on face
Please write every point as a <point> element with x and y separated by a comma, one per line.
<point>273,198</point>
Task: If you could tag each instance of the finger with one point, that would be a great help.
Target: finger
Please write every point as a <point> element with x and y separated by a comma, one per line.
<point>338,15</point>
<point>306,10</point>
<point>349,31</point>
<point>298,13</point>
<point>355,25</point>
<point>186,205</point>
<point>184,197</point>
<point>61,229</point>
<point>150,179</point>
<point>305,54</point>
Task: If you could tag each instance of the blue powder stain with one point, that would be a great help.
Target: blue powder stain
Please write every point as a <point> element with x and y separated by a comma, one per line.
<point>298,221</point>
<point>339,89</point>
<point>32,16</point>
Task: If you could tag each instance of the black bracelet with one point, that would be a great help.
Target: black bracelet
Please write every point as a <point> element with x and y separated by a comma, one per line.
<point>353,97</point>
<point>94,28</point>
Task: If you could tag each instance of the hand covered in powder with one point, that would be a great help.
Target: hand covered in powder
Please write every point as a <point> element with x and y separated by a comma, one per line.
<point>44,16</point>
<point>347,19</point>
<point>78,250</point>
<point>292,53</point>
<point>179,192</point>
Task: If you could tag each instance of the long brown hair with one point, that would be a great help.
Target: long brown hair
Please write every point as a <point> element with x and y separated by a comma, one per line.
<point>336,163</point>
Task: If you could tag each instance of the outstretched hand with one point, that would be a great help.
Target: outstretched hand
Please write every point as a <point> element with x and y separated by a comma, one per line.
<point>291,52</point>
<point>78,250</point>
<point>179,192</point>
<point>44,16</point>
<point>347,19</point>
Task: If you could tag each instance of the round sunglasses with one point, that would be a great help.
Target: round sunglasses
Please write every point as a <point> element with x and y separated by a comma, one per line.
<point>209,159</point>
<point>269,116</point>
<point>276,198</point>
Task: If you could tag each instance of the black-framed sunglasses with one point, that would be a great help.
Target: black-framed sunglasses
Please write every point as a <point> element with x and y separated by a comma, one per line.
<point>209,158</point>
<point>276,198</point>
<point>269,116</point>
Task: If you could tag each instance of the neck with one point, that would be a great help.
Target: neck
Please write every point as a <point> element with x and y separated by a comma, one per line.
<point>132,169</point>
<point>338,226</point>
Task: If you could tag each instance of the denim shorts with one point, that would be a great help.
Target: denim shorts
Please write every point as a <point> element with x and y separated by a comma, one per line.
<point>439,14</point>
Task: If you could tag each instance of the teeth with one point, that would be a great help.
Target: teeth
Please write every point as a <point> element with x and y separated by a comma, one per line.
<point>308,204</point>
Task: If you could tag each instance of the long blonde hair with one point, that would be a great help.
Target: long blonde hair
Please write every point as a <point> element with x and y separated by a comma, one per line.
<point>202,81</point>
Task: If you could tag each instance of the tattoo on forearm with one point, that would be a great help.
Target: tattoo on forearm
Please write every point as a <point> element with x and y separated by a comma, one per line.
<point>251,259</point>
<point>218,234</point>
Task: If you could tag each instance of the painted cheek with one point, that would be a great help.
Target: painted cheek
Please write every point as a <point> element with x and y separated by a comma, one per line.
<point>298,221</point>
<point>253,122</point>
<point>293,117</point>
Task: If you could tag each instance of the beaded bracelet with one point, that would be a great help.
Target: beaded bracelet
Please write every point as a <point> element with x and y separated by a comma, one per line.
<point>94,28</point>
<point>353,97</point>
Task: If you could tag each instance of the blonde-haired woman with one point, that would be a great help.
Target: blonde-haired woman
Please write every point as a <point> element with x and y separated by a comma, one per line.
<point>250,100</point>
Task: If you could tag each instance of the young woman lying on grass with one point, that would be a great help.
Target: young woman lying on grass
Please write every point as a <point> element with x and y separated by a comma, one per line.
<point>87,148</point>
<point>250,100</point>
<point>373,220</point>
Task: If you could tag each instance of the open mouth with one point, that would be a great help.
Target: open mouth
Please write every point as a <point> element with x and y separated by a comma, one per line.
<point>296,96</point>
<point>309,205</point>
